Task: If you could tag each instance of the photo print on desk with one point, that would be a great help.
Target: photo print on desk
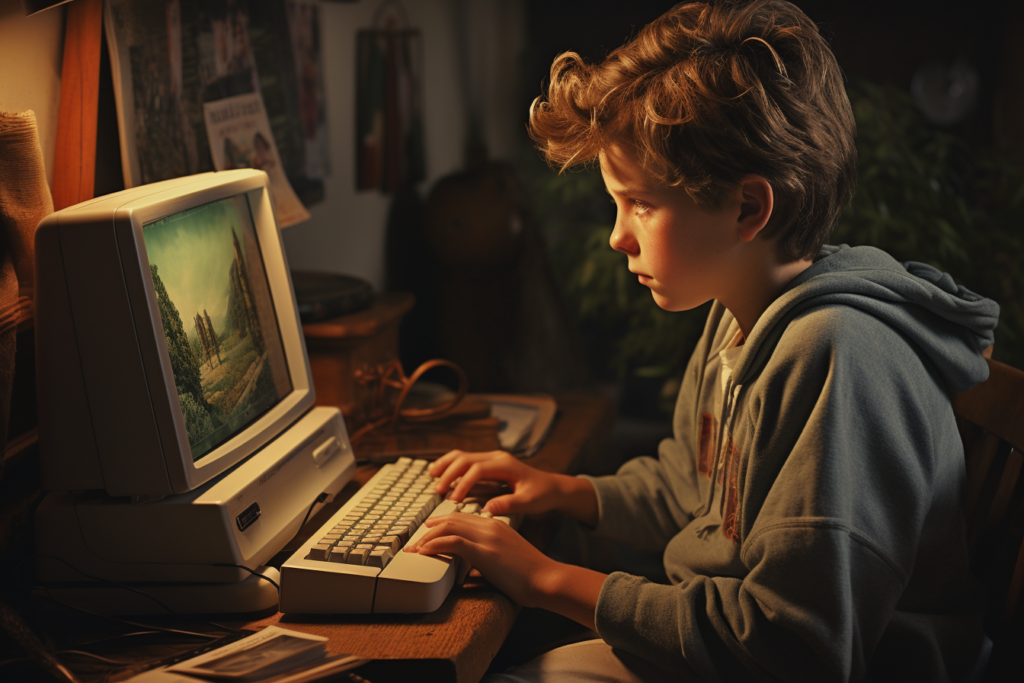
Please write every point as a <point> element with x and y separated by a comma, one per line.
<point>171,57</point>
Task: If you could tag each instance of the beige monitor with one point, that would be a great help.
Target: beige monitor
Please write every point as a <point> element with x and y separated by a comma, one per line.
<point>169,346</point>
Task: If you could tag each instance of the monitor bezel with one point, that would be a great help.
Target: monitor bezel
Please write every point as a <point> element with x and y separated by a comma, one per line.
<point>130,218</point>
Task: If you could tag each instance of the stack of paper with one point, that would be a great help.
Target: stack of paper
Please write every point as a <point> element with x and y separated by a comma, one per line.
<point>524,420</point>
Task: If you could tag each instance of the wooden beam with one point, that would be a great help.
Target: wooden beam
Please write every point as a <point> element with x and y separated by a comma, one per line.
<point>74,171</point>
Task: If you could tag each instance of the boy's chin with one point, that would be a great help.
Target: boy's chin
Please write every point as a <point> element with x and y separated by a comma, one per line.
<point>675,304</point>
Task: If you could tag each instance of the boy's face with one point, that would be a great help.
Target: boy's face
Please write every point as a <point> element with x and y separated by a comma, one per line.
<point>685,254</point>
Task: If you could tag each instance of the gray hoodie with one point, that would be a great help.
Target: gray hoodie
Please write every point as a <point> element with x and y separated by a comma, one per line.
<point>808,505</point>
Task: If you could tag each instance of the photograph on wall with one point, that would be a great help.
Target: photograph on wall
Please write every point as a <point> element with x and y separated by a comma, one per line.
<point>218,319</point>
<point>240,137</point>
<point>170,57</point>
<point>304,27</point>
<point>389,110</point>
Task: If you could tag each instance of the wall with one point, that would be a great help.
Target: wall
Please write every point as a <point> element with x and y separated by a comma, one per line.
<point>346,232</point>
<point>30,63</point>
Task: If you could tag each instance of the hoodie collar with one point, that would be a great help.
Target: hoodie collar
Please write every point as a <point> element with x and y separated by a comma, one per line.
<point>949,324</point>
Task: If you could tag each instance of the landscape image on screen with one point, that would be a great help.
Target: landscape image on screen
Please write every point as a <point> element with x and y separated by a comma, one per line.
<point>218,318</point>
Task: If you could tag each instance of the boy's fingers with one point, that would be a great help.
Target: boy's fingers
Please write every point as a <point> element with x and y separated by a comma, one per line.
<point>447,525</point>
<point>472,475</point>
<point>455,469</point>
<point>448,545</point>
<point>511,502</point>
<point>471,471</point>
<point>438,466</point>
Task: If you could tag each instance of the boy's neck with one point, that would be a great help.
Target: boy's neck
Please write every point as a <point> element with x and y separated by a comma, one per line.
<point>761,283</point>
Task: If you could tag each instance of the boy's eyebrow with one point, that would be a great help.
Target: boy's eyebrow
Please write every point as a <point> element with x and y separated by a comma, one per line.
<point>629,191</point>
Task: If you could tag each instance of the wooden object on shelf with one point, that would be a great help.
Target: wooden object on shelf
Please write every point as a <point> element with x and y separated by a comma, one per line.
<point>338,346</point>
<point>74,169</point>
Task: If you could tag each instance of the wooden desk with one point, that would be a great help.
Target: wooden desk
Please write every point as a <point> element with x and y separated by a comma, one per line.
<point>458,641</point>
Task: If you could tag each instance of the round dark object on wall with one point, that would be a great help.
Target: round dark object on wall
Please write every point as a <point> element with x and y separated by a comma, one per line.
<point>322,296</point>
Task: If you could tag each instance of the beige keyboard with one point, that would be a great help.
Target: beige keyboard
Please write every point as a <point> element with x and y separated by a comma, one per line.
<point>354,563</point>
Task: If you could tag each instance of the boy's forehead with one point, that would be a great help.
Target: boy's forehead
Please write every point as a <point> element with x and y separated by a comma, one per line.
<point>623,171</point>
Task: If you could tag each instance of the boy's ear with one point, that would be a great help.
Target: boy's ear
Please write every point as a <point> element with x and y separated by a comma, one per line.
<point>756,204</point>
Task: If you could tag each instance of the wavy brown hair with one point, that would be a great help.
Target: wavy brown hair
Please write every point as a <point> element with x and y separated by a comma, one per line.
<point>709,93</point>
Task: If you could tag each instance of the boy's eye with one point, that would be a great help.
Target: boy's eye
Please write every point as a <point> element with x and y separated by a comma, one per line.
<point>639,206</point>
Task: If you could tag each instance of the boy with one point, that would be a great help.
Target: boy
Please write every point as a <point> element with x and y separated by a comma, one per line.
<point>808,504</point>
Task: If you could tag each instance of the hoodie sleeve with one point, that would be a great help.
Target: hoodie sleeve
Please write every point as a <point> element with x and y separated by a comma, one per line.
<point>649,500</point>
<point>850,441</point>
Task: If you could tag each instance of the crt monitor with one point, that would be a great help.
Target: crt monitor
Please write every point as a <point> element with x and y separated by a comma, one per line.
<point>169,347</point>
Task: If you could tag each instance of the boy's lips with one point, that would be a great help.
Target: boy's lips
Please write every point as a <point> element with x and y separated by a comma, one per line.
<point>642,277</point>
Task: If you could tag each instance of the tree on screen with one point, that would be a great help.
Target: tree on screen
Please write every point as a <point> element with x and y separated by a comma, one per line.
<point>184,364</point>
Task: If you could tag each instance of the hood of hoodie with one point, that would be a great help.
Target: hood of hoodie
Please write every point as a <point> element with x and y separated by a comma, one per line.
<point>948,324</point>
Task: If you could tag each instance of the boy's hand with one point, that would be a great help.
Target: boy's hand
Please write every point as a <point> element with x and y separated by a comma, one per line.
<point>504,557</point>
<point>533,491</point>
<point>514,566</point>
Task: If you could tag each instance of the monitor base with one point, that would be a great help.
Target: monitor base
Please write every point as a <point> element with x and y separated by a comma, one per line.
<point>252,594</point>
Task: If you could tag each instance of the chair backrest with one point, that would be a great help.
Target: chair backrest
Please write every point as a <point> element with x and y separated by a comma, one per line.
<point>991,421</point>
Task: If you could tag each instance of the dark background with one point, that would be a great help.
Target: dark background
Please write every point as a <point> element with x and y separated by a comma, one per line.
<point>884,41</point>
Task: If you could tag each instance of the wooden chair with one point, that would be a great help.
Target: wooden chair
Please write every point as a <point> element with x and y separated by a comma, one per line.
<point>991,421</point>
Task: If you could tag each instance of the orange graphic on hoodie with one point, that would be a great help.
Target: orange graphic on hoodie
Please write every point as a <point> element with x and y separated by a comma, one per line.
<point>706,451</point>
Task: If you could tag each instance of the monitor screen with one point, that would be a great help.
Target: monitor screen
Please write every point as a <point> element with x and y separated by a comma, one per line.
<point>218,318</point>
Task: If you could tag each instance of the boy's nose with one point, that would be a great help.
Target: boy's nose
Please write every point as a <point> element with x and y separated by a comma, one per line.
<point>622,239</point>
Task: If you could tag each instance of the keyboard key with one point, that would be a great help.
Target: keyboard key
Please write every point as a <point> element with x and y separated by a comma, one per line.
<point>339,554</point>
<point>402,531</point>
<point>357,556</point>
<point>379,557</point>
<point>392,542</point>
<point>319,551</point>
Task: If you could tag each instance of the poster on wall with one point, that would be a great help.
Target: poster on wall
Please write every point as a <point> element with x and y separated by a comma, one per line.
<point>239,136</point>
<point>172,57</point>
<point>389,109</point>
